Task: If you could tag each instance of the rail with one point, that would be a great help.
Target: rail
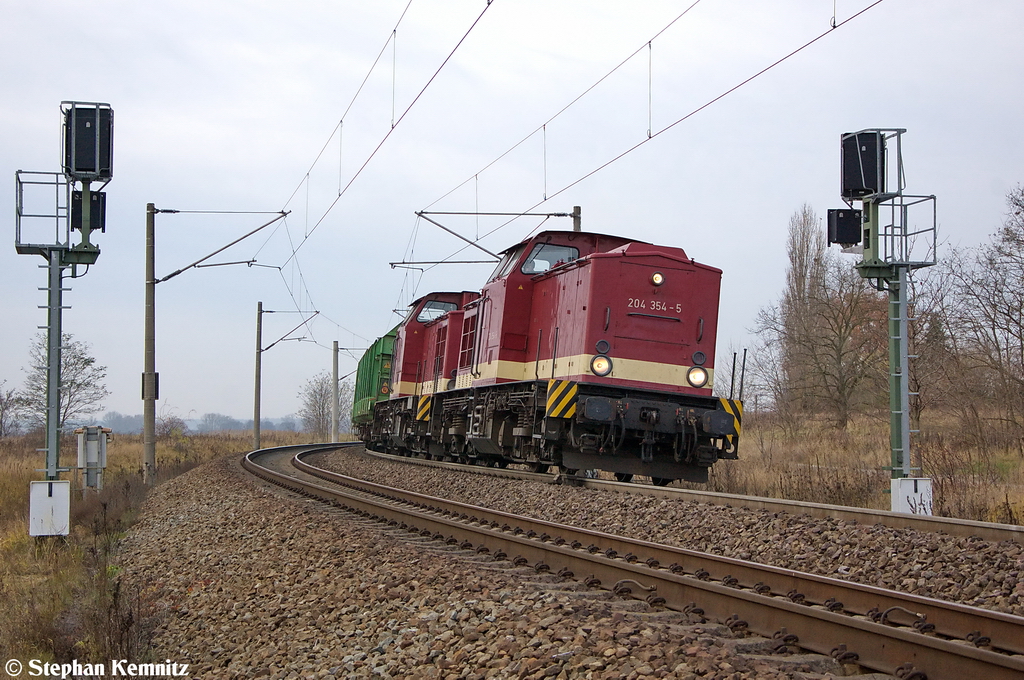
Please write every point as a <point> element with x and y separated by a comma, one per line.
<point>880,629</point>
<point>989,531</point>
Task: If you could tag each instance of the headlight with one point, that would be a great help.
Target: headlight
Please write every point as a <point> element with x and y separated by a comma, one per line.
<point>697,376</point>
<point>657,278</point>
<point>601,365</point>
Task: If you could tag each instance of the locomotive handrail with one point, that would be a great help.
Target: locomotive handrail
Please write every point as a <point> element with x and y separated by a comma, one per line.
<point>649,253</point>
<point>484,299</point>
<point>655,316</point>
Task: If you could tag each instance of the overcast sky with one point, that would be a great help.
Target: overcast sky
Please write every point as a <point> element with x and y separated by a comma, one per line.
<point>226,106</point>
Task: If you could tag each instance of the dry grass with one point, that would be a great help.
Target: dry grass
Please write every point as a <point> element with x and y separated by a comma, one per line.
<point>60,597</point>
<point>815,462</point>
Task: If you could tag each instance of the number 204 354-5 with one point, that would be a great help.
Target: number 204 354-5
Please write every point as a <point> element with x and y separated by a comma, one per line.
<point>654,305</point>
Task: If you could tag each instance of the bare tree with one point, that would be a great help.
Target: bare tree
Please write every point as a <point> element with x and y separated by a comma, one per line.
<point>934,373</point>
<point>11,408</point>
<point>122,424</point>
<point>217,422</point>
<point>777,375</point>
<point>170,426</point>
<point>315,412</point>
<point>82,386</point>
<point>987,315</point>
<point>820,346</point>
<point>345,393</point>
<point>842,342</point>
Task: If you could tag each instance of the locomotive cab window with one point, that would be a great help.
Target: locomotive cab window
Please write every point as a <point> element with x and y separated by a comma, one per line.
<point>507,261</point>
<point>433,309</point>
<point>546,256</point>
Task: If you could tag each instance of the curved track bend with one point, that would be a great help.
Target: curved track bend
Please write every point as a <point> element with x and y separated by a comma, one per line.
<point>907,635</point>
<point>990,531</point>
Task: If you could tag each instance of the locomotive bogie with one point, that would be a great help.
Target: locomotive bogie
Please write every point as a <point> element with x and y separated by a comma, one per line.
<point>635,433</point>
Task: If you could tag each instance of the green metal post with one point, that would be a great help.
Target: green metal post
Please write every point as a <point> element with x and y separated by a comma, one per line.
<point>873,266</point>
<point>894,278</point>
<point>259,378</point>
<point>899,406</point>
<point>86,216</point>
<point>55,268</point>
<point>149,377</point>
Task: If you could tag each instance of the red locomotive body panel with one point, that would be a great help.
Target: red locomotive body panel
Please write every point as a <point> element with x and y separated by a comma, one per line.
<point>544,321</point>
<point>416,343</point>
<point>582,350</point>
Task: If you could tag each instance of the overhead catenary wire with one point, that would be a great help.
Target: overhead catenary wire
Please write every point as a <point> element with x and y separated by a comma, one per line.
<point>672,125</point>
<point>340,126</point>
<point>410,250</point>
<point>542,127</point>
<point>393,127</point>
<point>290,288</point>
<point>348,108</point>
<point>650,87</point>
<point>281,215</point>
<point>652,134</point>
<point>339,130</point>
<point>710,102</point>
<point>220,212</point>
<point>285,336</point>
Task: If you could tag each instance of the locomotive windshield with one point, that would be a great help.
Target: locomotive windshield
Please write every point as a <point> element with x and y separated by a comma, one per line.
<point>547,256</point>
<point>507,260</point>
<point>433,309</point>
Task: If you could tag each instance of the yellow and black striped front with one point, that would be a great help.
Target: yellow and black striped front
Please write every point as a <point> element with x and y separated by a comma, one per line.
<point>733,407</point>
<point>561,398</point>
<point>423,410</point>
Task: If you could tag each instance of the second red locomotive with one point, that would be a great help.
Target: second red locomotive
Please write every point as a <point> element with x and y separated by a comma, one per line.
<point>583,350</point>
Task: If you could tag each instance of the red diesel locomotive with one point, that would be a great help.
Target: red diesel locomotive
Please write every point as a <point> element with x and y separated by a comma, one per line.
<point>583,350</point>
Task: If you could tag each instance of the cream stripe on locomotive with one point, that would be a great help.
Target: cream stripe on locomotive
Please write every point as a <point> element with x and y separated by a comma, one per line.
<point>622,369</point>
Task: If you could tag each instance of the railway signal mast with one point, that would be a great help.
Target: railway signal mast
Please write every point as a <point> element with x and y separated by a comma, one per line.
<point>48,208</point>
<point>892,244</point>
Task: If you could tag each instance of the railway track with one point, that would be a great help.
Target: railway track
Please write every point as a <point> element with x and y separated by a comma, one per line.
<point>988,531</point>
<point>902,634</point>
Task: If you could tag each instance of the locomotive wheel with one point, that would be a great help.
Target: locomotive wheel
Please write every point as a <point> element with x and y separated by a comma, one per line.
<point>570,471</point>
<point>538,467</point>
<point>623,477</point>
<point>661,481</point>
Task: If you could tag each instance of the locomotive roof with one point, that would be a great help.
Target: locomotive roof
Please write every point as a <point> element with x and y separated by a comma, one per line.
<point>552,232</point>
<point>435,293</point>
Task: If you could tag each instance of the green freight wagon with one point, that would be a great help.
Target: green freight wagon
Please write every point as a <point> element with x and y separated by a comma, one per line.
<point>373,382</point>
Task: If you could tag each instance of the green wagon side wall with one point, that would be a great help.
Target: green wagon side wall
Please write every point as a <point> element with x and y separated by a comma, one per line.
<point>373,377</point>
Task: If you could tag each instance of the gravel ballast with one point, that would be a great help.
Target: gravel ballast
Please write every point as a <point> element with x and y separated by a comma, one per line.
<point>240,579</point>
<point>957,569</point>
